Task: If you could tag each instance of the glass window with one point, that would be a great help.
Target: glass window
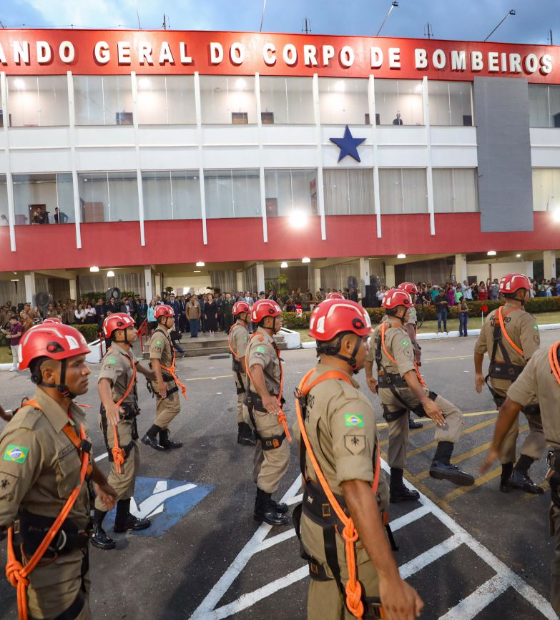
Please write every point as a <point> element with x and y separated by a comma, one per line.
<point>232,193</point>
<point>171,195</point>
<point>228,100</point>
<point>344,101</point>
<point>108,196</point>
<point>398,102</point>
<point>544,105</point>
<point>4,210</point>
<point>403,190</point>
<point>166,100</point>
<point>38,101</point>
<point>450,103</point>
<point>103,100</point>
<point>546,189</point>
<point>455,190</point>
<point>291,191</point>
<point>348,191</point>
<point>43,198</point>
<point>287,100</point>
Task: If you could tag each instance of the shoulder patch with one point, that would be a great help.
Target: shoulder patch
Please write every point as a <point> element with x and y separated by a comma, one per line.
<point>159,343</point>
<point>536,327</point>
<point>15,454</point>
<point>261,348</point>
<point>355,443</point>
<point>351,419</point>
<point>111,360</point>
<point>405,342</point>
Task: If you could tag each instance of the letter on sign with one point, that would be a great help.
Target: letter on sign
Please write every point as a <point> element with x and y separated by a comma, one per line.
<point>394,57</point>
<point>44,52</point>
<point>269,54</point>
<point>420,58</point>
<point>216,53</point>
<point>101,52</point>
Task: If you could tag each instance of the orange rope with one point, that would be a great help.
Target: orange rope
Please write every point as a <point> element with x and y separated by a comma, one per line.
<point>171,371</point>
<point>554,363</point>
<point>349,533</point>
<point>504,332</point>
<point>418,374</point>
<point>16,573</point>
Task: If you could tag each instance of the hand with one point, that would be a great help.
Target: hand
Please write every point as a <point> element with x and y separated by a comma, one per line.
<point>433,411</point>
<point>162,390</point>
<point>271,404</point>
<point>151,375</point>
<point>479,382</point>
<point>490,459</point>
<point>372,384</point>
<point>113,414</point>
<point>106,494</point>
<point>399,600</point>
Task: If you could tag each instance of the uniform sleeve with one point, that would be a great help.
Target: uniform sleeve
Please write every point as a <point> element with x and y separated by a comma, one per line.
<point>20,462</point>
<point>110,369</point>
<point>157,345</point>
<point>403,352</point>
<point>413,318</point>
<point>481,346</point>
<point>353,437</point>
<point>530,337</point>
<point>259,354</point>
<point>524,390</point>
<point>370,357</point>
<point>241,342</point>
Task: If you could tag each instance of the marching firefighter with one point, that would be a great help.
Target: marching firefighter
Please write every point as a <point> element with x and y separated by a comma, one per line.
<point>45,476</point>
<point>510,335</point>
<point>238,339</point>
<point>117,388</point>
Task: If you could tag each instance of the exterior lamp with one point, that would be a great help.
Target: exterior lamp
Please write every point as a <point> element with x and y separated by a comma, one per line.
<point>298,219</point>
<point>110,274</point>
<point>94,269</point>
<point>200,264</point>
<point>556,215</point>
<point>284,265</point>
<point>306,260</point>
<point>401,255</point>
<point>492,253</point>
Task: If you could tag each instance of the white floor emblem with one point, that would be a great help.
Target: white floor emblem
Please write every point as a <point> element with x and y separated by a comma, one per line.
<point>154,504</point>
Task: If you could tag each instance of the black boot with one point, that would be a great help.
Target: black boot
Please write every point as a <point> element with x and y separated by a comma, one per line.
<point>99,538</point>
<point>265,510</point>
<point>280,507</point>
<point>150,438</point>
<point>125,521</point>
<point>412,425</point>
<point>520,476</point>
<point>442,469</point>
<point>399,492</point>
<point>507,471</point>
<point>245,435</point>
<point>166,443</point>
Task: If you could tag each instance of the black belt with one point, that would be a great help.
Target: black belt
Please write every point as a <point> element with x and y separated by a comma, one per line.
<point>104,427</point>
<point>506,372</point>
<point>254,401</point>
<point>388,379</point>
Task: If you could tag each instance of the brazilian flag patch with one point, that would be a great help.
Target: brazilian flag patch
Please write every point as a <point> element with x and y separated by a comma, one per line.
<point>111,360</point>
<point>351,419</point>
<point>405,343</point>
<point>261,349</point>
<point>16,454</point>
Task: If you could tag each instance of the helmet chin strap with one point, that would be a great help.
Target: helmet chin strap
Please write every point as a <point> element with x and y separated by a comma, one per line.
<point>351,361</point>
<point>61,387</point>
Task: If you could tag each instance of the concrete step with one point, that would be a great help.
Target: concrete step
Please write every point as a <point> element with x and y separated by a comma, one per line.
<point>202,351</point>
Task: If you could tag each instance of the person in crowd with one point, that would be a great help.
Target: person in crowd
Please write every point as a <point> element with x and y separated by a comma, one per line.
<point>90,315</point>
<point>442,304</point>
<point>59,216</point>
<point>227,312</point>
<point>40,216</point>
<point>193,315</point>
<point>26,322</point>
<point>482,292</point>
<point>152,323</point>
<point>141,312</point>
<point>13,336</point>
<point>80,314</point>
<point>211,315</point>
<point>463,317</point>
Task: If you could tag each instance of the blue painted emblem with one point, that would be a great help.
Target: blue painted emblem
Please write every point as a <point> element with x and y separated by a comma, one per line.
<point>348,145</point>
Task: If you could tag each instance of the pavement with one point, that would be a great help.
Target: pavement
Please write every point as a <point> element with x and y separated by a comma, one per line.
<point>472,552</point>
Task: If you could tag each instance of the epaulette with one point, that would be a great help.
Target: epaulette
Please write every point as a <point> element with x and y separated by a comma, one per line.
<point>27,416</point>
<point>349,391</point>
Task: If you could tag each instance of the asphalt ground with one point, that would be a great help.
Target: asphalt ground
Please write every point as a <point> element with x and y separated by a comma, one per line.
<point>470,552</point>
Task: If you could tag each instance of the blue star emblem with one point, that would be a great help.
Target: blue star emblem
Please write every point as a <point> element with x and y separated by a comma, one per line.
<point>348,145</point>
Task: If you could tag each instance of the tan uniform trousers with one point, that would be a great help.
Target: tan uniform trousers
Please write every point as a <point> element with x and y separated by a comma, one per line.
<point>533,445</point>
<point>269,465</point>
<point>555,568</point>
<point>398,432</point>
<point>240,395</point>
<point>167,408</point>
<point>54,587</point>
<point>123,483</point>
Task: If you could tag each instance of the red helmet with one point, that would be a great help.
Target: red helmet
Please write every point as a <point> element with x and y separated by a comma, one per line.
<point>239,307</point>
<point>52,321</point>
<point>263,308</point>
<point>58,342</point>
<point>334,316</point>
<point>396,297</point>
<point>118,320</point>
<point>409,287</point>
<point>513,282</point>
<point>163,310</point>
<point>334,296</point>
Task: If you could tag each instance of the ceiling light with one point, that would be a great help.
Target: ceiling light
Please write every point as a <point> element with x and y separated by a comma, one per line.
<point>298,219</point>
<point>340,86</point>
<point>200,264</point>
<point>110,274</point>
<point>556,215</point>
<point>94,269</point>
<point>19,83</point>
<point>240,84</point>
<point>491,253</point>
<point>518,256</point>
<point>144,82</point>
<point>401,255</point>
<point>197,271</point>
<point>16,280</point>
<point>284,265</point>
<point>306,260</point>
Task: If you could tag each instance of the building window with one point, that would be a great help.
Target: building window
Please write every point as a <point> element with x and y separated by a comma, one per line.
<point>403,190</point>
<point>166,100</point>
<point>289,99</point>
<point>546,189</point>
<point>221,97</point>
<point>108,196</point>
<point>43,198</point>
<point>348,191</point>
<point>290,192</point>
<point>4,210</point>
<point>455,190</point>
<point>544,105</point>
<point>103,100</point>
<point>38,101</point>
<point>343,101</point>
<point>232,193</point>
<point>399,102</point>
<point>450,103</point>
<point>171,195</point>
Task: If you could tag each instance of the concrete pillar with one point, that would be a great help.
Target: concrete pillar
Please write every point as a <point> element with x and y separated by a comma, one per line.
<point>317,280</point>
<point>390,276</point>
<point>148,283</point>
<point>549,263</point>
<point>260,277</point>
<point>364,276</point>
<point>529,269</point>
<point>30,288</point>
<point>73,289</point>
<point>461,267</point>
<point>239,280</point>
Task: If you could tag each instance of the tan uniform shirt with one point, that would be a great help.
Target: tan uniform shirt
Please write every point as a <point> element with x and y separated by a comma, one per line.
<point>239,339</point>
<point>39,466</point>
<point>537,383</point>
<point>116,366</point>
<point>193,311</point>
<point>161,348</point>
<point>262,350</point>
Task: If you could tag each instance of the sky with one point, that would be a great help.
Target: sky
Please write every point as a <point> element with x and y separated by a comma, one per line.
<point>450,19</point>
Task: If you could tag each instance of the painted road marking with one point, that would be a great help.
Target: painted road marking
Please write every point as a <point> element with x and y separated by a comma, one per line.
<point>465,610</point>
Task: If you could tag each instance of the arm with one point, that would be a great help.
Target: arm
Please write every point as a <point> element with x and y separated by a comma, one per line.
<point>397,597</point>
<point>149,374</point>
<point>430,407</point>
<point>270,403</point>
<point>156,367</point>
<point>112,412</point>
<point>370,379</point>
<point>478,376</point>
<point>103,490</point>
<point>506,419</point>
<point>4,415</point>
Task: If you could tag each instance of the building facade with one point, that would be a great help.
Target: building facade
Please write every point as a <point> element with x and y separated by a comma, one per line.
<point>147,152</point>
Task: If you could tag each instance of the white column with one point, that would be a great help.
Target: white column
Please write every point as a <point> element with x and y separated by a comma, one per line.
<point>135,121</point>
<point>239,281</point>
<point>73,289</point>
<point>429,179</point>
<point>390,276</point>
<point>373,121</point>
<point>320,189</point>
<point>72,135</point>
<point>364,275</point>
<point>30,288</point>
<point>529,269</point>
<point>260,277</point>
<point>261,158</point>
<point>317,280</point>
<point>7,168</point>
<point>198,110</point>
<point>149,283</point>
<point>461,267</point>
<point>549,264</point>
